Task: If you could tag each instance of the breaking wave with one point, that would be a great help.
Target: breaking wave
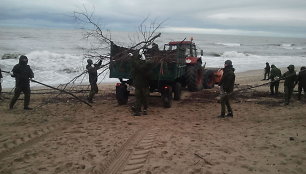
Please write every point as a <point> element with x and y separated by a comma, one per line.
<point>288,46</point>
<point>291,47</point>
<point>230,54</point>
<point>229,44</point>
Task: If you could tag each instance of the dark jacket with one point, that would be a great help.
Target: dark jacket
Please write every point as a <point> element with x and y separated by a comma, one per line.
<point>93,72</point>
<point>22,74</point>
<point>275,72</point>
<point>301,79</point>
<point>228,79</point>
<point>1,74</point>
<point>290,78</point>
<point>141,73</point>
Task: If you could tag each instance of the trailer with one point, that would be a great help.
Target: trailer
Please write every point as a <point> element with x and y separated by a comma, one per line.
<point>173,68</point>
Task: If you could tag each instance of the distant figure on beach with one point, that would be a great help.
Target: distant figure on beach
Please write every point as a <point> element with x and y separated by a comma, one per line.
<point>93,78</point>
<point>22,73</point>
<point>267,71</point>
<point>0,82</point>
<point>290,79</point>
<point>141,78</point>
<point>275,76</point>
<point>226,88</point>
<point>301,81</point>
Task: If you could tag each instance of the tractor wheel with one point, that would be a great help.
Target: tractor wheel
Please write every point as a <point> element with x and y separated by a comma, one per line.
<point>209,79</point>
<point>177,91</point>
<point>122,94</point>
<point>194,78</point>
<point>167,97</point>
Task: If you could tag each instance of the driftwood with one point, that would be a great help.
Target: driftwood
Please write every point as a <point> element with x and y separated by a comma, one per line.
<point>63,91</point>
<point>5,71</point>
<point>264,84</point>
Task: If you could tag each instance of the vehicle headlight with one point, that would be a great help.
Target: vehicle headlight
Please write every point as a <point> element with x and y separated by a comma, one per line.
<point>188,61</point>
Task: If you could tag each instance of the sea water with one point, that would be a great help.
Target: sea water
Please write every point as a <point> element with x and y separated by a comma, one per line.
<point>56,56</point>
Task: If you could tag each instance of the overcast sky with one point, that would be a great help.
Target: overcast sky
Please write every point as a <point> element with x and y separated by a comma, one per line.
<point>239,17</point>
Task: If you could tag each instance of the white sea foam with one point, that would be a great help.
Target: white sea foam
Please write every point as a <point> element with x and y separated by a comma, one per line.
<point>291,47</point>
<point>48,67</point>
<point>230,54</point>
<point>229,44</point>
<point>287,45</point>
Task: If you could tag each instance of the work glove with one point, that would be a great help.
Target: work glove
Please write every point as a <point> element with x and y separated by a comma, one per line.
<point>12,74</point>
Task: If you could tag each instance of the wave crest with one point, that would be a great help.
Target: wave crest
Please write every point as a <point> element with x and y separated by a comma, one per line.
<point>229,44</point>
<point>234,54</point>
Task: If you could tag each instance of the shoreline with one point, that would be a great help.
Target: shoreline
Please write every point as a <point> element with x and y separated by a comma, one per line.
<point>245,74</point>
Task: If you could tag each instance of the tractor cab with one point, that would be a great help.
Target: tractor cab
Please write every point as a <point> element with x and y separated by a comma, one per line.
<point>189,48</point>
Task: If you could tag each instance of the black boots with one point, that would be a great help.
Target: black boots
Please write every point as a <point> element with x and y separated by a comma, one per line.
<point>221,116</point>
<point>230,114</point>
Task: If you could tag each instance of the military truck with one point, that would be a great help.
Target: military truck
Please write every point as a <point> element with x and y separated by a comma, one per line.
<point>174,67</point>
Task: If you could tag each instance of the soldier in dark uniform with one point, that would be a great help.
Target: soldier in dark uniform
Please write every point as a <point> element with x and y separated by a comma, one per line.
<point>301,81</point>
<point>93,77</point>
<point>274,76</point>
<point>226,87</point>
<point>141,78</point>
<point>290,79</point>
<point>22,73</point>
<point>267,71</point>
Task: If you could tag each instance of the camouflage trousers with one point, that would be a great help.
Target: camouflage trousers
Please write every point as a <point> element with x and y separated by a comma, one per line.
<point>300,89</point>
<point>27,94</point>
<point>274,87</point>
<point>93,90</point>
<point>141,95</point>
<point>288,93</point>
<point>267,75</point>
<point>224,100</point>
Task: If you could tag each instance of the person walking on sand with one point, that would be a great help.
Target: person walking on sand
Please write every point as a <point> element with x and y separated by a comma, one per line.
<point>274,77</point>
<point>226,88</point>
<point>301,81</point>
<point>22,73</point>
<point>92,70</point>
<point>289,84</point>
<point>267,71</point>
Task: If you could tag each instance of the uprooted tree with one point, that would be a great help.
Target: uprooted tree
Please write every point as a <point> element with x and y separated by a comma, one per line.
<point>101,42</point>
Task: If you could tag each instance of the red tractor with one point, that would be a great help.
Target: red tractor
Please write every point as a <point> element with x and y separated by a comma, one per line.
<point>196,76</point>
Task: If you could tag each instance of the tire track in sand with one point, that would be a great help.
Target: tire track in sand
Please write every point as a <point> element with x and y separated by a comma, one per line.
<point>132,156</point>
<point>27,140</point>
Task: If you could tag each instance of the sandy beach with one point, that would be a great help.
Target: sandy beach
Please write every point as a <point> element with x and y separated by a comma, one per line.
<point>62,135</point>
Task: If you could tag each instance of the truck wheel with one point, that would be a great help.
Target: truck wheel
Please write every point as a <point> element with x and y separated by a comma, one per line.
<point>177,91</point>
<point>122,94</point>
<point>209,79</point>
<point>167,97</point>
<point>194,78</point>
